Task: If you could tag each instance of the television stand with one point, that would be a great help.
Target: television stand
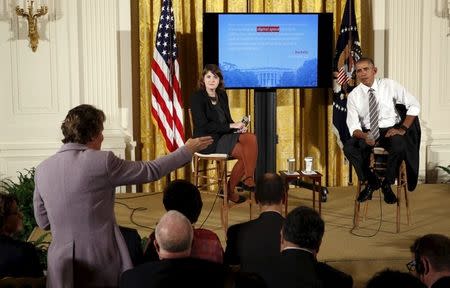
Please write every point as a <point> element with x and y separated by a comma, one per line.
<point>265,130</point>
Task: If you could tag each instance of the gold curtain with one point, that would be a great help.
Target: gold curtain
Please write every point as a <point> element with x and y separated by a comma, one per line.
<point>309,109</point>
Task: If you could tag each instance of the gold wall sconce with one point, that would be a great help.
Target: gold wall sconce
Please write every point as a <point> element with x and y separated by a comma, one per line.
<point>32,17</point>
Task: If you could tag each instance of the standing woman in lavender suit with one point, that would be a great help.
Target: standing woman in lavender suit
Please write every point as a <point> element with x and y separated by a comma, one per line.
<point>74,198</point>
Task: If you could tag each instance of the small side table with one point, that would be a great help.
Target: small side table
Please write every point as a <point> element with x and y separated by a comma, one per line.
<point>317,186</point>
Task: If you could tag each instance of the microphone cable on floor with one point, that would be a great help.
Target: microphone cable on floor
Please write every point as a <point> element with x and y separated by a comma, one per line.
<point>210,211</point>
<point>133,210</point>
<point>352,231</point>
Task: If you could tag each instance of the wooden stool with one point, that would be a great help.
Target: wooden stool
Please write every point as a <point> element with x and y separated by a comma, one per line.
<point>218,177</point>
<point>379,167</point>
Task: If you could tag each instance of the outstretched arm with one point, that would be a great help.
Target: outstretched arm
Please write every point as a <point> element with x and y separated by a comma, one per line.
<point>123,172</point>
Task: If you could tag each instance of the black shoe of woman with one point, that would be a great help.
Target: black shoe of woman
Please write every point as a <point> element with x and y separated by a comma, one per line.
<point>241,199</point>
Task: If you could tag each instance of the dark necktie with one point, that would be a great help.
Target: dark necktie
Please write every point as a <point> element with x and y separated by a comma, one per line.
<point>373,113</point>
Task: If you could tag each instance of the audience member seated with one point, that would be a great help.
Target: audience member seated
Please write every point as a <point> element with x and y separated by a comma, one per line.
<point>17,258</point>
<point>255,244</point>
<point>134,244</point>
<point>184,197</point>
<point>239,279</point>
<point>174,234</point>
<point>331,277</point>
<point>301,237</point>
<point>432,260</point>
<point>394,279</point>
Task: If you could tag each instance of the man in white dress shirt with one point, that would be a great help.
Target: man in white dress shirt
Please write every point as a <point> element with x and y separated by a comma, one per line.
<point>387,129</point>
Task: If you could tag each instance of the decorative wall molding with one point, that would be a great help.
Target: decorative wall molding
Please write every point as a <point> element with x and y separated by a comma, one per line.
<point>99,26</point>
<point>418,58</point>
<point>435,97</point>
<point>19,156</point>
<point>404,40</point>
<point>76,62</point>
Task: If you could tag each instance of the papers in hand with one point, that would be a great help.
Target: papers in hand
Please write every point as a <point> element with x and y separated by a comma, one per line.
<point>309,172</point>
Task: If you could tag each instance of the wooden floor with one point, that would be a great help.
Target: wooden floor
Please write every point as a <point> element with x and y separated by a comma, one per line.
<point>360,252</point>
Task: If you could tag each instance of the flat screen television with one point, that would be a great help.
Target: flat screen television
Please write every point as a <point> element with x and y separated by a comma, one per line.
<point>270,51</point>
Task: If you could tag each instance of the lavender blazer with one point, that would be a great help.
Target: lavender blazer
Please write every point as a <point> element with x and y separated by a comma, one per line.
<point>74,198</point>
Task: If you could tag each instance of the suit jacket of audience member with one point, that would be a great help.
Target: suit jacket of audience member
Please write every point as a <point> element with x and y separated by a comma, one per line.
<point>18,259</point>
<point>299,268</point>
<point>333,278</point>
<point>74,196</point>
<point>134,244</point>
<point>255,243</point>
<point>294,268</point>
<point>205,245</point>
<point>205,117</point>
<point>443,282</point>
<point>180,272</point>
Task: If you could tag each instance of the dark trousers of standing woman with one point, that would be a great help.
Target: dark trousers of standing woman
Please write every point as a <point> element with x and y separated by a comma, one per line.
<point>358,154</point>
<point>246,153</point>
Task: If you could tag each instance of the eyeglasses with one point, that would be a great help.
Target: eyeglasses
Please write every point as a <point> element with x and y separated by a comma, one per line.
<point>411,265</point>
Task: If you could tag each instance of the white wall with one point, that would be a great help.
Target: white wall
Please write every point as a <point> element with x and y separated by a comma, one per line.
<point>412,47</point>
<point>83,57</point>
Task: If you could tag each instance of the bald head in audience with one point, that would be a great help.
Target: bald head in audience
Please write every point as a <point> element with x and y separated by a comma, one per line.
<point>173,235</point>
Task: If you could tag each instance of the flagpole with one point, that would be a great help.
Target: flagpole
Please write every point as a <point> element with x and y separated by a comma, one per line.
<point>348,51</point>
<point>171,74</point>
<point>350,174</point>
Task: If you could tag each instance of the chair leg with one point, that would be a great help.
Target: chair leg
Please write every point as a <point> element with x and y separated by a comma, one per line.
<point>366,210</point>
<point>357,206</point>
<point>196,164</point>
<point>404,179</point>
<point>252,198</point>
<point>408,213</point>
<point>402,183</point>
<point>222,181</point>
<point>399,199</point>
<point>356,214</point>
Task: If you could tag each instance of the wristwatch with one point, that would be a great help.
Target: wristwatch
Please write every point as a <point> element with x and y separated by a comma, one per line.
<point>403,127</point>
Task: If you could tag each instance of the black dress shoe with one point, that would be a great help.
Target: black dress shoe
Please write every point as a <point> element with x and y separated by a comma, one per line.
<point>241,199</point>
<point>389,196</point>
<point>248,188</point>
<point>245,186</point>
<point>242,186</point>
<point>239,186</point>
<point>323,196</point>
<point>366,193</point>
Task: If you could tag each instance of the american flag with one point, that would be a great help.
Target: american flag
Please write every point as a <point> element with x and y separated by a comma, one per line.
<point>167,105</point>
<point>348,51</point>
